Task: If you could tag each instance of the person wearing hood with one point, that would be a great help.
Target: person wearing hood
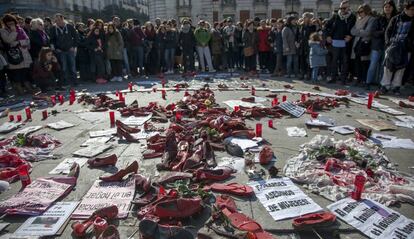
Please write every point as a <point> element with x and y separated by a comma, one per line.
<point>203,36</point>
<point>399,39</point>
<point>187,43</point>
<point>338,33</point>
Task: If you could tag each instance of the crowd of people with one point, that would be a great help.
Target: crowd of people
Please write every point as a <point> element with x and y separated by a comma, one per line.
<point>362,48</point>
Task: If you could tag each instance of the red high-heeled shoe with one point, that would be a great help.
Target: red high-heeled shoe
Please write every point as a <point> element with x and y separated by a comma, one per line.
<point>126,128</point>
<point>132,168</point>
<point>103,161</point>
<point>124,134</point>
<point>108,213</point>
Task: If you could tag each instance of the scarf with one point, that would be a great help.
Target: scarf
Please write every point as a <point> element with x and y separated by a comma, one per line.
<point>21,34</point>
<point>361,22</point>
<point>43,36</point>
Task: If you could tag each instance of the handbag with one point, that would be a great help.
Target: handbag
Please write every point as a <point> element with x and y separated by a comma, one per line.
<point>248,51</point>
<point>14,55</point>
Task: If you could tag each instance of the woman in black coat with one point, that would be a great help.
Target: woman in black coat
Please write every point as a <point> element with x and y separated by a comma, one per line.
<point>38,38</point>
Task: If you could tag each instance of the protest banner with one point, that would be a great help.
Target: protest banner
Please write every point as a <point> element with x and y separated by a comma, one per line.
<point>373,219</point>
<point>283,199</point>
<point>103,194</point>
<point>36,197</point>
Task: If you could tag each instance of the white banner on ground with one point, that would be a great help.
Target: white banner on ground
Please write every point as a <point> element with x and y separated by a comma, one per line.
<point>373,219</point>
<point>283,199</point>
<point>104,194</point>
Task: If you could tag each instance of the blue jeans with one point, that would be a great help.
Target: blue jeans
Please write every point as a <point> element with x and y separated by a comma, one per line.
<point>137,58</point>
<point>291,64</point>
<point>169,55</point>
<point>126,61</point>
<point>67,61</point>
<point>315,71</point>
<point>375,69</point>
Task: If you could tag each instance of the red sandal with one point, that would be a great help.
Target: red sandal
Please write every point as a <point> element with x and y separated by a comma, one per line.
<point>314,220</point>
<point>232,188</point>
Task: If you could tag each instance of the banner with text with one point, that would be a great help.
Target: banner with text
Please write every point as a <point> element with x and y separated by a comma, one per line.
<point>103,194</point>
<point>283,199</point>
<point>373,219</point>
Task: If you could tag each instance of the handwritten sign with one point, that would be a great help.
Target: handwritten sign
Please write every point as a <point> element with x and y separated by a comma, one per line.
<point>36,197</point>
<point>103,194</point>
<point>283,199</point>
<point>373,219</point>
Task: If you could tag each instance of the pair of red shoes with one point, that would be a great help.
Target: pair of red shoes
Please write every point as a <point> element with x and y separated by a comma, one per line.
<point>99,222</point>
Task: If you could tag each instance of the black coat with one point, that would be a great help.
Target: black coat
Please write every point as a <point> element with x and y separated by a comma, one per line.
<point>187,41</point>
<point>36,43</point>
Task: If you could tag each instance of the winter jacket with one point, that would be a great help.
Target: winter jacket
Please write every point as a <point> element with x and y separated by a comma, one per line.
<point>82,53</point>
<point>114,46</point>
<point>263,34</point>
<point>401,28</point>
<point>136,37</point>
<point>289,47</point>
<point>378,33</point>
<point>303,38</point>
<point>217,42</point>
<point>202,36</point>
<point>238,35</point>
<point>187,41</point>
<point>41,75</point>
<point>229,37</point>
<point>317,54</point>
<point>64,38</point>
<point>10,39</point>
<point>37,41</point>
<point>338,28</point>
<point>250,39</point>
<point>362,33</point>
<point>276,39</point>
<point>170,39</point>
<point>94,42</point>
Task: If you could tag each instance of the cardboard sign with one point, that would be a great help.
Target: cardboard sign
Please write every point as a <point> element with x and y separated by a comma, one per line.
<point>283,199</point>
<point>379,125</point>
<point>292,109</point>
<point>103,194</point>
<point>373,219</point>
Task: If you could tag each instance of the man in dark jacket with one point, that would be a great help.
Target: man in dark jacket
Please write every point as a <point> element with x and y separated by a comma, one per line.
<point>64,40</point>
<point>338,33</point>
<point>136,40</point>
<point>187,43</point>
<point>305,30</point>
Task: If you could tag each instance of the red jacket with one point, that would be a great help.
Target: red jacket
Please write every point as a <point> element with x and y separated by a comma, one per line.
<point>263,44</point>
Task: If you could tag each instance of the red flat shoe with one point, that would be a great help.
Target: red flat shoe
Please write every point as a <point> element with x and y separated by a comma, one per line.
<point>314,220</point>
<point>124,134</point>
<point>178,208</point>
<point>127,128</point>
<point>103,161</point>
<point>232,188</point>
<point>213,174</point>
<point>225,201</point>
<point>132,168</point>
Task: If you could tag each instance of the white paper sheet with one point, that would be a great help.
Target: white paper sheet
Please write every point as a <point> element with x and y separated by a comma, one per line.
<point>232,103</point>
<point>321,121</point>
<point>92,151</point>
<point>296,132</point>
<point>8,127</point>
<point>64,166</point>
<point>102,133</point>
<point>136,121</point>
<point>343,129</point>
<point>373,219</point>
<point>29,130</point>
<point>283,199</point>
<point>96,141</point>
<point>60,125</point>
<point>243,143</point>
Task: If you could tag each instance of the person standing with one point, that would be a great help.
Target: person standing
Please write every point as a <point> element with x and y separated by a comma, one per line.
<point>151,59</point>
<point>362,42</point>
<point>263,46</point>
<point>38,38</point>
<point>399,38</point>
<point>338,33</point>
<point>317,55</point>
<point>230,42</point>
<point>375,69</point>
<point>187,43</point>
<point>238,37</point>
<point>217,44</point>
<point>17,45</point>
<point>114,51</point>
<point>276,40</point>
<point>64,40</point>
<point>250,40</point>
<point>136,40</point>
<point>305,30</point>
<point>96,46</point>
<point>170,43</point>
<point>203,36</point>
<point>289,47</point>
<point>83,59</point>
